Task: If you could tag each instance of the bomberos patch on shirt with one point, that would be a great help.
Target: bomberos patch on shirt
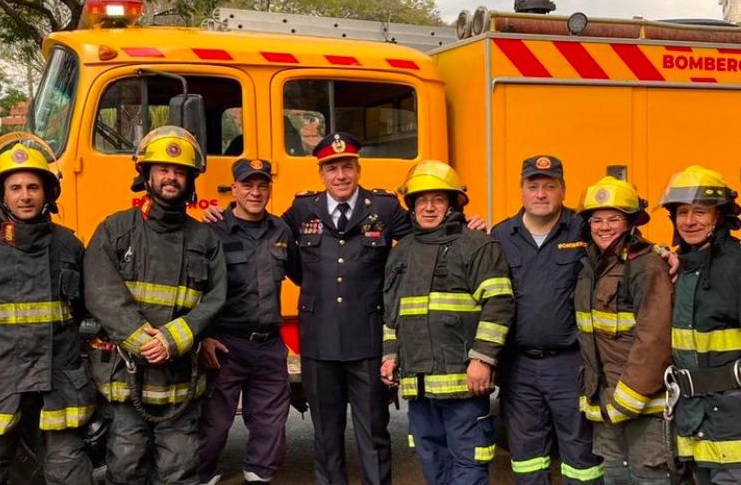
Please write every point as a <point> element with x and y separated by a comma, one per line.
<point>572,245</point>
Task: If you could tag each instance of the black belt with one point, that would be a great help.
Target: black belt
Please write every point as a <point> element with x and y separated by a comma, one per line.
<point>543,353</point>
<point>261,337</point>
<point>704,381</point>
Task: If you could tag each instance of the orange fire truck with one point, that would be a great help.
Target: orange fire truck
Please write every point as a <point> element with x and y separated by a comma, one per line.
<point>635,98</point>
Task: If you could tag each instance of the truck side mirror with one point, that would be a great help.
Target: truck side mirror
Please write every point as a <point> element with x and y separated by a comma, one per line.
<point>188,111</point>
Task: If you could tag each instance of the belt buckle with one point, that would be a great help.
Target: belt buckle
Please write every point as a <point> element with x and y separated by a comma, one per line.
<point>536,353</point>
<point>258,337</point>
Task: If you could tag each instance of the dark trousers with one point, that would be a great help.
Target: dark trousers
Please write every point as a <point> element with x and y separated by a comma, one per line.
<point>259,371</point>
<point>540,398</point>
<point>329,386</point>
<point>144,453</point>
<point>635,451</point>
<point>64,460</point>
<point>453,439</point>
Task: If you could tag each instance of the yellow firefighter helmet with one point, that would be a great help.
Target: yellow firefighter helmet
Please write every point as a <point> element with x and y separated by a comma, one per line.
<point>170,144</point>
<point>432,175</point>
<point>612,193</point>
<point>698,185</point>
<point>21,151</point>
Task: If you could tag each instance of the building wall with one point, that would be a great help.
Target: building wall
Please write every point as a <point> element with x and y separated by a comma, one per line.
<point>731,10</point>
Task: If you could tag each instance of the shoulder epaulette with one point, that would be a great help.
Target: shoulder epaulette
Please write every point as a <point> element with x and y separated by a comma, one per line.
<point>387,193</point>
<point>306,193</point>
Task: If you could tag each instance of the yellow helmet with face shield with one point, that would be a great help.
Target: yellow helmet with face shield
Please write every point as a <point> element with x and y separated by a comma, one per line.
<point>697,185</point>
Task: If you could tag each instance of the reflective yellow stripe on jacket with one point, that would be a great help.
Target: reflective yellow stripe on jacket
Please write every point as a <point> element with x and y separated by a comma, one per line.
<point>8,421</point>
<point>637,403</point>
<point>181,333</point>
<point>491,332</point>
<point>34,312</point>
<point>705,451</point>
<point>727,340</point>
<point>119,391</point>
<point>437,301</point>
<point>389,334</point>
<point>170,296</point>
<point>493,287</point>
<point>607,322</point>
<point>137,338</point>
<point>72,417</point>
<point>435,385</point>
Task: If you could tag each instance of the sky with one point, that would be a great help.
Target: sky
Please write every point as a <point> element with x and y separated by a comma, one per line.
<point>648,9</point>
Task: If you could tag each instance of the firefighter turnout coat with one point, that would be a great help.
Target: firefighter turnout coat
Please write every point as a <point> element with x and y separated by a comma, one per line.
<point>153,267</point>
<point>706,334</point>
<point>40,312</point>
<point>623,305</point>
<point>448,298</point>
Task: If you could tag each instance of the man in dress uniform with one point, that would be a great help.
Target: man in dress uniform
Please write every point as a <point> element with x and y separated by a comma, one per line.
<point>344,235</point>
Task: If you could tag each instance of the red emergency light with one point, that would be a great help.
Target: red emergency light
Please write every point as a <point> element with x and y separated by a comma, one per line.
<point>110,13</point>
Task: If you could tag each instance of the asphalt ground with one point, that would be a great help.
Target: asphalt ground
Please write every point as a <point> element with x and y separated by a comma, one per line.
<point>298,465</point>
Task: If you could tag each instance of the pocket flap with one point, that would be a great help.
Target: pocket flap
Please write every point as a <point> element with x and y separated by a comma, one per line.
<point>306,303</point>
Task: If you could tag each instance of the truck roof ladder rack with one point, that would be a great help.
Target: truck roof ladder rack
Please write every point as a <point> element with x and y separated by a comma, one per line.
<point>420,37</point>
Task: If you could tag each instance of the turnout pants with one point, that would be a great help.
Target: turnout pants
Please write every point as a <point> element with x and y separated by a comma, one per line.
<point>329,386</point>
<point>144,453</point>
<point>453,439</point>
<point>64,459</point>
<point>540,399</point>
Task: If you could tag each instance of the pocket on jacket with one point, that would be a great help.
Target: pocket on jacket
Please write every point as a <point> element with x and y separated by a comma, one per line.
<point>309,246</point>
<point>79,377</point>
<point>280,258</point>
<point>70,282</point>
<point>197,267</point>
<point>306,303</point>
<point>374,250</point>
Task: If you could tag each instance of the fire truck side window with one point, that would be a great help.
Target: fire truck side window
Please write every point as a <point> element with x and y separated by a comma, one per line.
<point>383,116</point>
<point>52,107</point>
<point>130,107</point>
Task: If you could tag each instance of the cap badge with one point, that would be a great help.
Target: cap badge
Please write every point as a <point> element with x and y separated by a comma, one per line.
<point>173,150</point>
<point>339,145</point>
<point>256,164</point>
<point>602,196</point>
<point>19,155</point>
<point>543,163</point>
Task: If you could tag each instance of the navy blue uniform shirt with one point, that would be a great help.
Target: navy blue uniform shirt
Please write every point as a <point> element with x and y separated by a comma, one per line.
<point>543,280</point>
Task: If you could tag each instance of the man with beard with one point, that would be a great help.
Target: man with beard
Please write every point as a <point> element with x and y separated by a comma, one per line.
<point>44,383</point>
<point>156,280</point>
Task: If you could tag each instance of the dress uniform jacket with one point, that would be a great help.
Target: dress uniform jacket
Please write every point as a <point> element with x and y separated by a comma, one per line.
<point>340,306</point>
<point>623,309</point>
<point>448,298</point>
<point>706,333</point>
<point>152,267</point>
<point>40,311</point>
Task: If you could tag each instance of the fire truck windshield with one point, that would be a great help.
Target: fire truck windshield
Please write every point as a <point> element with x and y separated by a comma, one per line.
<point>52,107</point>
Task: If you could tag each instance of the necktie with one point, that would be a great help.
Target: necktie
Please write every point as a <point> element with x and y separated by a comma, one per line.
<point>342,221</point>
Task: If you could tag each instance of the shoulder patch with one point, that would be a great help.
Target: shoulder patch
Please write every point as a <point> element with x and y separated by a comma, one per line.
<point>306,193</point>
<point>387,193</point>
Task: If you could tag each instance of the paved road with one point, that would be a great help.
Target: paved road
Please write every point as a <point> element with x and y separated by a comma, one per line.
<point>298,467</point>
